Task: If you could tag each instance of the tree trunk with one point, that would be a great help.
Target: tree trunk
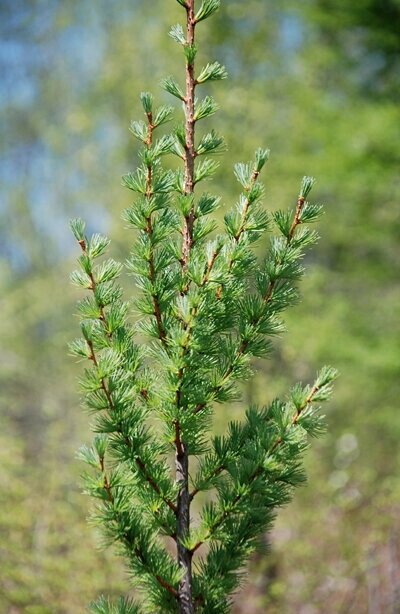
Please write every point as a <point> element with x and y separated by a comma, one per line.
<point>183,524</point>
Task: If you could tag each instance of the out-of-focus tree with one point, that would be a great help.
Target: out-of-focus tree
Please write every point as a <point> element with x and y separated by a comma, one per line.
<point>365,35</point>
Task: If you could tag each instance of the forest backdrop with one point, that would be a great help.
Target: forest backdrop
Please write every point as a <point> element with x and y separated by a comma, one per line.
<point>317,82</point>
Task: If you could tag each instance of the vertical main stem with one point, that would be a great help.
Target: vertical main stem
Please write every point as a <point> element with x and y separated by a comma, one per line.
<point>183,525</point>
<point>190,152</point>
<point>185,597</point>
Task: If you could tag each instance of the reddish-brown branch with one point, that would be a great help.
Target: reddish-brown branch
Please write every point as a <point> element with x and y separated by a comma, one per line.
<point>223,516</point>
<point>177,440</point>
<point>149,231</point>
<point>106,483</point>
<point>240,352</point>
<point>241,229</point>
<point>93,286</point>
<point>184,556</point>
<point>153,484</point>
<point>144,394</point>
<point>162,582</point>
<point>136,550</point>
<point>212,475</point>
<point>149,142</point>
<point>106,390</point>
<point>190,151</point>
<point>246,207</point>
<point>138,460</point>
<point>157,309</point>
<point>256,474</point>
<point>107,488</point>
<point>296,416</point>
<point>210,265</point>
<point>296,221</point>
<point>167,586</point>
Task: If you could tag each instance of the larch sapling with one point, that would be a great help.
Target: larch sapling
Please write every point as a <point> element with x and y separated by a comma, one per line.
<point>206,306</point>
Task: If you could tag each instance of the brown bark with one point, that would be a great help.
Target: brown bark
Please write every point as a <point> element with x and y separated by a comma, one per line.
<point>185,598</point>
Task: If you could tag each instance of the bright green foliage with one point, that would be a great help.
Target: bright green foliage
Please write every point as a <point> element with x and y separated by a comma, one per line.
<point>348,315</point>
<point>205,318</point>
<point>104,606</point>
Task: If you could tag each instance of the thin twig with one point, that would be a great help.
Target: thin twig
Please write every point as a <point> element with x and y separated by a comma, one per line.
<point>149,231</point>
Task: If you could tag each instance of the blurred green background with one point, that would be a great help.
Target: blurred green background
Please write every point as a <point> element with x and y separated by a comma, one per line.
<point>318,82</point>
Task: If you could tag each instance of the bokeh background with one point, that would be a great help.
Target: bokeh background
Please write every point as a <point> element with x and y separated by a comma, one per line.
<point>318,82</point>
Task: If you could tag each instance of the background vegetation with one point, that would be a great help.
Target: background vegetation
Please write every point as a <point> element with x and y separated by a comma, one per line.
<point>318,83</point>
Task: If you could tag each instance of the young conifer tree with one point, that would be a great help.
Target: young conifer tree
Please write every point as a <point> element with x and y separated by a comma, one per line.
<point>207,306</point>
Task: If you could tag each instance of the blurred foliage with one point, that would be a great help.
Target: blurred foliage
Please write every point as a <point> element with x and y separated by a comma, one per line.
<point>317,82</point>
